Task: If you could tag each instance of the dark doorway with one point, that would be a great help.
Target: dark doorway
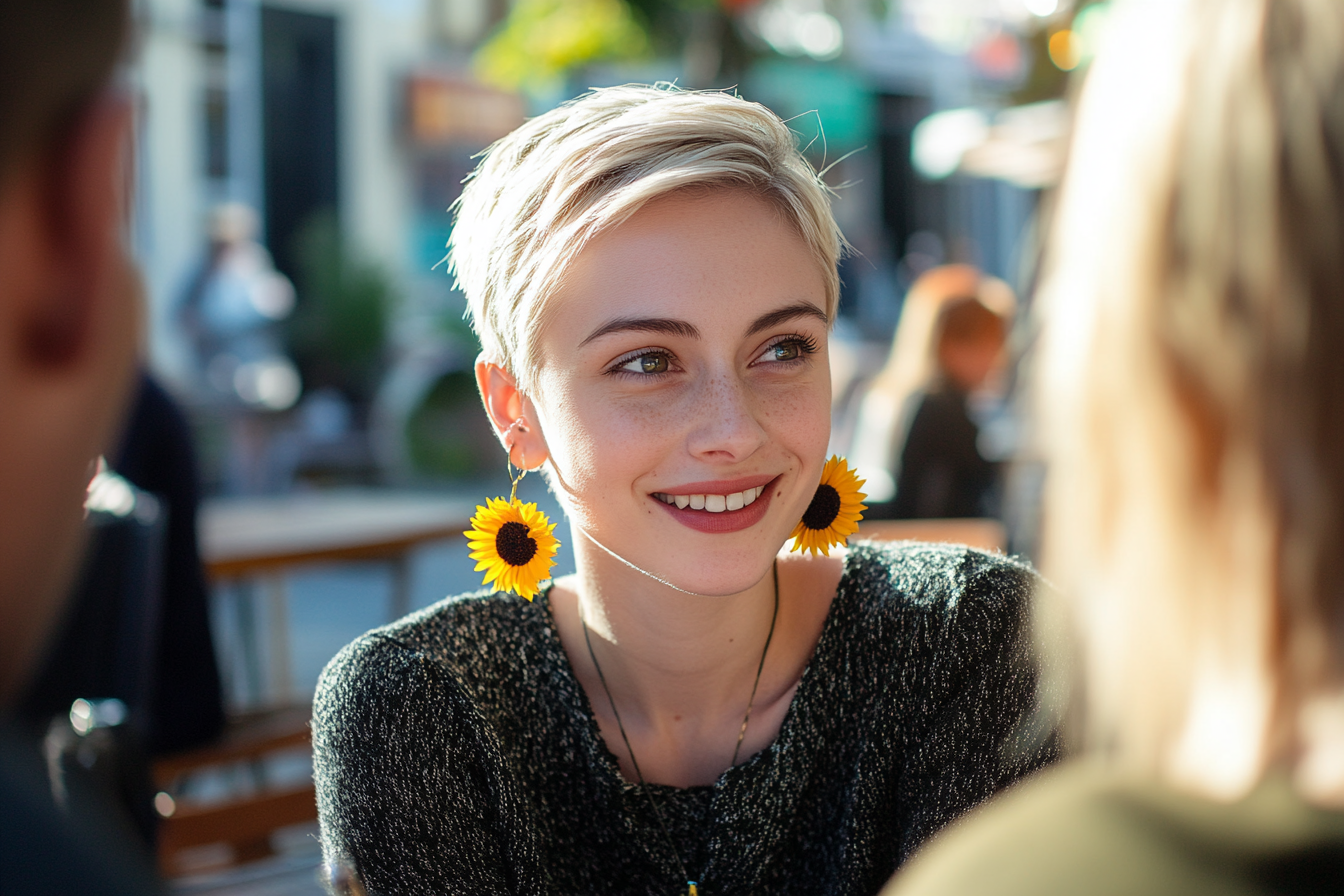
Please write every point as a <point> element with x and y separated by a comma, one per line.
<point>909,202</point>
<point>298,81</point>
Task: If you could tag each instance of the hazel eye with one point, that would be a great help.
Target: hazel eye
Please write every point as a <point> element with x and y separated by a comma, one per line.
<point>646,364</point>
<point>787,350</point>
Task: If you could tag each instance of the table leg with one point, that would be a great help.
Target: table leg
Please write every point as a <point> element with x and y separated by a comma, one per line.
<point>244,596</point>
<point>281,684</point>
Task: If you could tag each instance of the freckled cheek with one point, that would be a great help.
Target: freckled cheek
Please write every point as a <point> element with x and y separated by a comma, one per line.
<point>801,420</point>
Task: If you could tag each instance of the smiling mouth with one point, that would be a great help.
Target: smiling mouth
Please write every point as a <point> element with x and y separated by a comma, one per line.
<point>712,503</point>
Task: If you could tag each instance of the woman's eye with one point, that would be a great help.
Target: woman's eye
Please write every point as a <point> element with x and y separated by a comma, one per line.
<point>787,350</point>
<point>646,364</point>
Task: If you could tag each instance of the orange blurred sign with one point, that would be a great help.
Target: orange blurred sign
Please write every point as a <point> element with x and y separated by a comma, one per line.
<point>442,111</point>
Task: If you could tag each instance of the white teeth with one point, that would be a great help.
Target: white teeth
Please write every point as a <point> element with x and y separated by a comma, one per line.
<point>713,503</point>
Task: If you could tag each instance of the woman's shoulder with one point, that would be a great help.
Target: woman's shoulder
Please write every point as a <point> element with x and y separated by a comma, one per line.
<point>1082,828</point>
<point>938,578</point>
<point>436,646</point>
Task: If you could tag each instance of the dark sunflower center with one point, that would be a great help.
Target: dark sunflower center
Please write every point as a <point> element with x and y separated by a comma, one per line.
<point>823,510</point>
<point>515,547</point>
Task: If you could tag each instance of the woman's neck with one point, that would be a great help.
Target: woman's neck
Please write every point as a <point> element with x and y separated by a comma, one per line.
<point>663,651</point>
<point>681,668</point>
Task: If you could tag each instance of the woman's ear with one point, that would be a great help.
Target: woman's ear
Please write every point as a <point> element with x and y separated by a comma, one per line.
<point>512,415</point>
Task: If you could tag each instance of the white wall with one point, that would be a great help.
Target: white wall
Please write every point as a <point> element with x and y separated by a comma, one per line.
<point>380,41</point>
<point>171,199</point>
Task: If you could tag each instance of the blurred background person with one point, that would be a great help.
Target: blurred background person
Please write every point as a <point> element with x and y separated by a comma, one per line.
<point>1193,393</point>
<point>182,704</point>
<point>917,438</point>
<point>70,321</point>
<point>232,314</point>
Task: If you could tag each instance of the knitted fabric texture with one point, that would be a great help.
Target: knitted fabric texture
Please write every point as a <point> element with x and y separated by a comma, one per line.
<point>455,751</point>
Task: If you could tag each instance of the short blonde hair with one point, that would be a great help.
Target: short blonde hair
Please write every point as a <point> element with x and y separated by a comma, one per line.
<point>1194,385</point>
<point>543,191</point>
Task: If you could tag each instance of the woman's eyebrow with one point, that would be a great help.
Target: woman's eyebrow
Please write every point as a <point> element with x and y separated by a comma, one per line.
<point>667,325</point>
<point>687,330</point>
<point>783,315</point>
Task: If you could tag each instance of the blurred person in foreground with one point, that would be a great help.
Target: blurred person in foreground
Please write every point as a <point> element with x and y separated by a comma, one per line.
<point>916,440</point>
<point>69,325</point>
<point>1193,386</point>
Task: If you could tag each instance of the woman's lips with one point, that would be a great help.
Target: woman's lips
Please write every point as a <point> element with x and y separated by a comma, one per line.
<point>707,520</point>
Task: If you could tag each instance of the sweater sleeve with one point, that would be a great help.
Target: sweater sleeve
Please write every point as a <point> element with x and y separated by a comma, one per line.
<point>408,782</point>
<point>978,728</point>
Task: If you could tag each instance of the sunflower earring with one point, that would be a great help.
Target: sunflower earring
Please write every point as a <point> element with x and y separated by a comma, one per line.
<point>835,510</point>
<point>512,541</point>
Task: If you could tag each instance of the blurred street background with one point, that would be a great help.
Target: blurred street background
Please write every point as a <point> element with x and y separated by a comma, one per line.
<point>297,160</point>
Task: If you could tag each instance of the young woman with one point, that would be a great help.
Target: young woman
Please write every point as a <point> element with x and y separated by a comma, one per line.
<point>653,276</point>
<point>1194,386</point>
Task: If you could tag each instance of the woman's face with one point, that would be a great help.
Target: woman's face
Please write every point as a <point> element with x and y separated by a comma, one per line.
<point>683,388</point>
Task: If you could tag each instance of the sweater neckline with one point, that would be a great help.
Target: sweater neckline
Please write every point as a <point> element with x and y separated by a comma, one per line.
<point>580,708</point>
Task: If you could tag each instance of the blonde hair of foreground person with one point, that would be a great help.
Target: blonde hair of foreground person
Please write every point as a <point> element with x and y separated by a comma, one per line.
<point>559,180</point>
<point>1193,394</point>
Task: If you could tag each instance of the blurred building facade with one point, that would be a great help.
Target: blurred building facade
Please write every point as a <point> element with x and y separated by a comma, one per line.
<point>367,113</point>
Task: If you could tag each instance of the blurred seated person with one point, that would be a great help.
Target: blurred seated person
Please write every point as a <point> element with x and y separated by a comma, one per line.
<point>1193,382</point>
<point>70,318</point>
<point>916,440</point>
<point>185,706</point>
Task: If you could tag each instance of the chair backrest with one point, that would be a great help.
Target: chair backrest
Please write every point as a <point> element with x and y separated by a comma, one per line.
<point>245,820</point>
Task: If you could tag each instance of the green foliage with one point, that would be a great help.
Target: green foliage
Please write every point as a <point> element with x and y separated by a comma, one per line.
<point>541,41</point>
<point>339,328</point>
<point>447,435</point>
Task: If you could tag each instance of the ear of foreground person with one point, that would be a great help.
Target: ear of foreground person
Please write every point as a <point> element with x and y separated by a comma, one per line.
<point>1192,416</point>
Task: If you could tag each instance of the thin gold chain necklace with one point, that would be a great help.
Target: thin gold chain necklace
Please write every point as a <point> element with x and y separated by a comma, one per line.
<point>691,886</point>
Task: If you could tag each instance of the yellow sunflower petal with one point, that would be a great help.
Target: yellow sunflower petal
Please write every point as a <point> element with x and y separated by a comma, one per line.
<point>483,540</point>
<point>837,474</point>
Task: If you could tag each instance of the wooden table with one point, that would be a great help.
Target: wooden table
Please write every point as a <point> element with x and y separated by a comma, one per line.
<point>249,540</point>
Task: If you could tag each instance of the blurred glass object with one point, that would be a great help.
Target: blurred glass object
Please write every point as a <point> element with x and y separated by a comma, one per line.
<point>86,715</point>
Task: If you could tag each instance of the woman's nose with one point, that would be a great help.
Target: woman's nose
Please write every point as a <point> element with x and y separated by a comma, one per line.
<point>727,426</point>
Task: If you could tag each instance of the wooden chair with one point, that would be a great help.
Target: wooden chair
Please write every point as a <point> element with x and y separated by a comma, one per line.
<point>986,534</point>
<point>246,821</point>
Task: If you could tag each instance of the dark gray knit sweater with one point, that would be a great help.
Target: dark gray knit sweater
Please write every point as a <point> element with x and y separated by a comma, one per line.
<point>455,752</point>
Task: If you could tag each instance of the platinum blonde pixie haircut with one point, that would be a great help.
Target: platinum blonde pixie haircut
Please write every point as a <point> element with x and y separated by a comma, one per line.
<point>1193,392</point>
<point>541,193</point>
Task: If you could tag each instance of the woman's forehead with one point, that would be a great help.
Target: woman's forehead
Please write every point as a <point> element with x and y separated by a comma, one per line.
<point>711,259</point>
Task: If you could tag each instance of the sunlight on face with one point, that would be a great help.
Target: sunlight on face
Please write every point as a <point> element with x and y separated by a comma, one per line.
<point>686,364</point>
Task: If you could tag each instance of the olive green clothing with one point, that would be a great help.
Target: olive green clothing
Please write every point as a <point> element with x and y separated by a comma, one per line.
<point>1081,829</point>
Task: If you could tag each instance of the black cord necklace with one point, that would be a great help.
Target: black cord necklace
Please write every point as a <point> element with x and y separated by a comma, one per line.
<point>691,886</point>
